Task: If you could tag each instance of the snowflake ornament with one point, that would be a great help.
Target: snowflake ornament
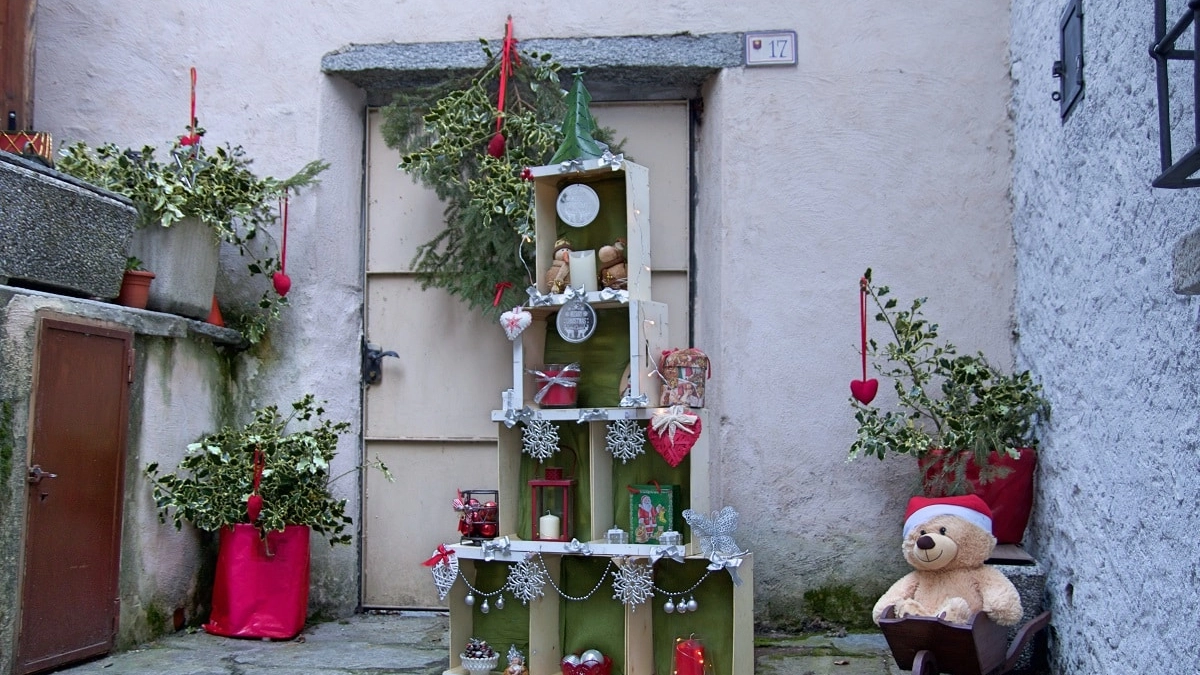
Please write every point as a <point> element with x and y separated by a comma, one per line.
<point>633,584</point>
<point>526,580</point>
<point>715,531</point>
<point>625,439</point>
<point>540,439</point>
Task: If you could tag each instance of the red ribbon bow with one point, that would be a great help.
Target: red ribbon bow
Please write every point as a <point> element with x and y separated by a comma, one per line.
<point>500,288</point>
<point>442,556</point>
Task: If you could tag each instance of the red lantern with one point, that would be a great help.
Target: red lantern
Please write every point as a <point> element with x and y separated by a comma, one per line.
<point>550,506</point>
<point>479,519</point>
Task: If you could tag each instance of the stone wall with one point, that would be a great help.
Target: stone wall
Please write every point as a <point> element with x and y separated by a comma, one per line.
<point>1116,522</point>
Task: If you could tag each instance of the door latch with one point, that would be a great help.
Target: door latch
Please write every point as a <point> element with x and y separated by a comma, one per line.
<point>372,362</point>
<point>36,474</point>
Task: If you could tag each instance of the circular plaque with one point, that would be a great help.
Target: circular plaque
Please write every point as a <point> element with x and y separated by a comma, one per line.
<point>576,320</point>
<point>578,205</point>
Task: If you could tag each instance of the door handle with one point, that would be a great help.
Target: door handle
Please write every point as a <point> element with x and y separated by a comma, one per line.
<point>36,474</point>
<point>372,362</point>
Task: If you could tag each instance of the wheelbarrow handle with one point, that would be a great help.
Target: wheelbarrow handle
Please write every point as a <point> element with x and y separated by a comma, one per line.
<point>1023,636</point>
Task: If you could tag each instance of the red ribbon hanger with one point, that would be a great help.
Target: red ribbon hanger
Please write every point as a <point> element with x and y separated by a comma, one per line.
<point>192,138</point>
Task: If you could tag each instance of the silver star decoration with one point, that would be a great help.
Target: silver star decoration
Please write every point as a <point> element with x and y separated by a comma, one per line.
<point>633,584</point>
<point>540,439</point>
<point>715,531</point>
<point>526,580</point>
<point>625,439</point>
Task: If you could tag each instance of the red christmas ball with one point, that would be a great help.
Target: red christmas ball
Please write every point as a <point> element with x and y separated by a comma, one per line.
<point>488,530</point>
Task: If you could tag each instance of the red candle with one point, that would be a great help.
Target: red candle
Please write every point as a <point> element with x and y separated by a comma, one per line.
<point>689,657</point>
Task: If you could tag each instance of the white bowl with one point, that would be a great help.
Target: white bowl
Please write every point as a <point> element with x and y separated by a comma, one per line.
<point>479,665</point>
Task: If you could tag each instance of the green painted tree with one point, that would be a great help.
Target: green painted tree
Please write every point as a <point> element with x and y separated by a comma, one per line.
<point>578,126</point>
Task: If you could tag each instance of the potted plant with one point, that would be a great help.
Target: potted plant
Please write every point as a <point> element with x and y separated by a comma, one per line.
<point>263,486</point>
<point>970,425</point>
<point>135,285</point>
<point>188,202</point>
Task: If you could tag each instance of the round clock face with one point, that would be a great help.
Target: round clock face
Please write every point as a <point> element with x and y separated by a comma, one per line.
<point>578,205</point>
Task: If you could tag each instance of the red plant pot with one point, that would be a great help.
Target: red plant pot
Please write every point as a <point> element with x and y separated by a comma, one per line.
<point>135,289</point>
<point>1008,492</point>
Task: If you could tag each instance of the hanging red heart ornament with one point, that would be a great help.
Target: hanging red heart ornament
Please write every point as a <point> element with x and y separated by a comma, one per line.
<point>282,283</point>
<point>864,390</point>
<point>673,434</point>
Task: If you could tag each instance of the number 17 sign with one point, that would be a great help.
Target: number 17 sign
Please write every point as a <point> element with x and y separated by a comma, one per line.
<point>771,48</point>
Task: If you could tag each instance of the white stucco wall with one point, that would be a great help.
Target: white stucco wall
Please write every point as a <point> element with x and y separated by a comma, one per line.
<point>1116,519</point>
<point>888,146</point>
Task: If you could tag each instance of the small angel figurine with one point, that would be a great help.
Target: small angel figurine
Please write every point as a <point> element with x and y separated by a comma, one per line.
<point>516,662</point>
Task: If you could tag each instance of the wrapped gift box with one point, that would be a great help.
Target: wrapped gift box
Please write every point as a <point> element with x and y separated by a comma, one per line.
<point>684,372</point>
<point>651,512</point>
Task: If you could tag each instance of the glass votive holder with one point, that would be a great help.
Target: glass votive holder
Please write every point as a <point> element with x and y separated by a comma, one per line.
<point>618,536</point>
<point>670,538</point>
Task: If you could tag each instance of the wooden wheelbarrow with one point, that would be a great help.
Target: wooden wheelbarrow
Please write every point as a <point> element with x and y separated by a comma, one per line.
<point>927,645</point>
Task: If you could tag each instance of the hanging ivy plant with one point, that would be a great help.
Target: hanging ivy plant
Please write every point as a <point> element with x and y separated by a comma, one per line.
<point>443,134</point>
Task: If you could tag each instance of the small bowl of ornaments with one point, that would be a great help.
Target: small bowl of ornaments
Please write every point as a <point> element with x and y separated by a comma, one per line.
<point>479,657</point>
<point>590,662</point>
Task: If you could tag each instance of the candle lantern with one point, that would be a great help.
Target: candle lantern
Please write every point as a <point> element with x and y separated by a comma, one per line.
<point>689,657</point>
<point>550,506</point>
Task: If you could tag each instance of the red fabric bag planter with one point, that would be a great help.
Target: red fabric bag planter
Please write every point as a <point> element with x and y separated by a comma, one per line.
<point>1009,494</point>
<point>261,588</point>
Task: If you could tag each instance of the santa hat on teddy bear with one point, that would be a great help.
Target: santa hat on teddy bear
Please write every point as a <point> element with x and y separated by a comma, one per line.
<point>970,508</point>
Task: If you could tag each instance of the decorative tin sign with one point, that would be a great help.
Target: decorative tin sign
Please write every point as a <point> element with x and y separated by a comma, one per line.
<point>578,205</point>
<point>576,320</point>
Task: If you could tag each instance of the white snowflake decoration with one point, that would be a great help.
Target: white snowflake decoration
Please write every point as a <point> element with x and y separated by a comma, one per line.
<point>540,439</point>
<point>445,572</point>
<point>633,584</point>
<point>625,439</point>
<point>715,531</point>
<point>526,580</point>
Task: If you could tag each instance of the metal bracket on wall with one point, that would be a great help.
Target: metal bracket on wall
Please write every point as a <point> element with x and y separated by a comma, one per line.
<point>1068,69</point>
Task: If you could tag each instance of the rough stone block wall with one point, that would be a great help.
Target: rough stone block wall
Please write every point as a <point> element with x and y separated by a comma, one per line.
<point>1116,521</point>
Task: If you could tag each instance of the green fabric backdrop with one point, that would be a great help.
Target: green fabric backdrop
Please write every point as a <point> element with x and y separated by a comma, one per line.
<point>500,627</point>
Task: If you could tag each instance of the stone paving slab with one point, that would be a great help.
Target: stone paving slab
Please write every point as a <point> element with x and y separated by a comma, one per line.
<point>415,643</point>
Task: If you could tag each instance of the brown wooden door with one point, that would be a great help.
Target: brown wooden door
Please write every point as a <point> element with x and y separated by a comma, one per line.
<point>73,520</point>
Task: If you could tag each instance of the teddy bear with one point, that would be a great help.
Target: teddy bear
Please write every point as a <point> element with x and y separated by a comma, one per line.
<point>947,540</point>
<point>558,277</point>
<point>614,273</point>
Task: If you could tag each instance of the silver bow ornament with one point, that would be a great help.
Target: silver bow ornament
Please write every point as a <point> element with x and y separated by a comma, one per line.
<point>491,548</point>
<point>674,552</point>
<point>576,547</point>
<point>729,563</point>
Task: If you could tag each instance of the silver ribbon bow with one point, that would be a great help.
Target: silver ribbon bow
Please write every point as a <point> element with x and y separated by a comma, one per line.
<point>512,416</point>
<point>674,552</point>
<point>592,415</point>
<point>501,545</point>
<point>676,418</point>
<point>560,379</point>
<point>537,298</point>
<point>610,294</point>
<point>631,401</point>
<point>609,159</point>
<point>577,547</point>
<point>719,561</point>
<point>571,165</point>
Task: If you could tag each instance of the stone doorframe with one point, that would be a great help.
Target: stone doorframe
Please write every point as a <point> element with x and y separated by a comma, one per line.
<point>633,68</point>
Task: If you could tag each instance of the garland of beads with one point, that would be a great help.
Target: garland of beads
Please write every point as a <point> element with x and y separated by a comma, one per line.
<point>472,592</point>
<point>690,605</point>
<point>589,594</point>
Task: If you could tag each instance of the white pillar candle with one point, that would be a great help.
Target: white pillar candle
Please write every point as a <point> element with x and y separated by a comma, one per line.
<point>583,270</point>
<point>548,526</point>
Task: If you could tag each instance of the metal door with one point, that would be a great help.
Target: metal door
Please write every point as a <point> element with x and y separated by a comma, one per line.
<point>69,596</point>
<point>429,417</point>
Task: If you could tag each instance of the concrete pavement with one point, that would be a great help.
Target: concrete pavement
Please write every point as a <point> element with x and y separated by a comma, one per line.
<point>415,643</point>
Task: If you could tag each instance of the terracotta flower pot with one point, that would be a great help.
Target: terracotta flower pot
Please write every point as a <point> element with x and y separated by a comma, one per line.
<point>1008,490</point>
<point>135,289</point>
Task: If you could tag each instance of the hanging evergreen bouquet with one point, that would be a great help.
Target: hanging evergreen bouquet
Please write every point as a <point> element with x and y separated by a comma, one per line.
<point>471,143</point>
